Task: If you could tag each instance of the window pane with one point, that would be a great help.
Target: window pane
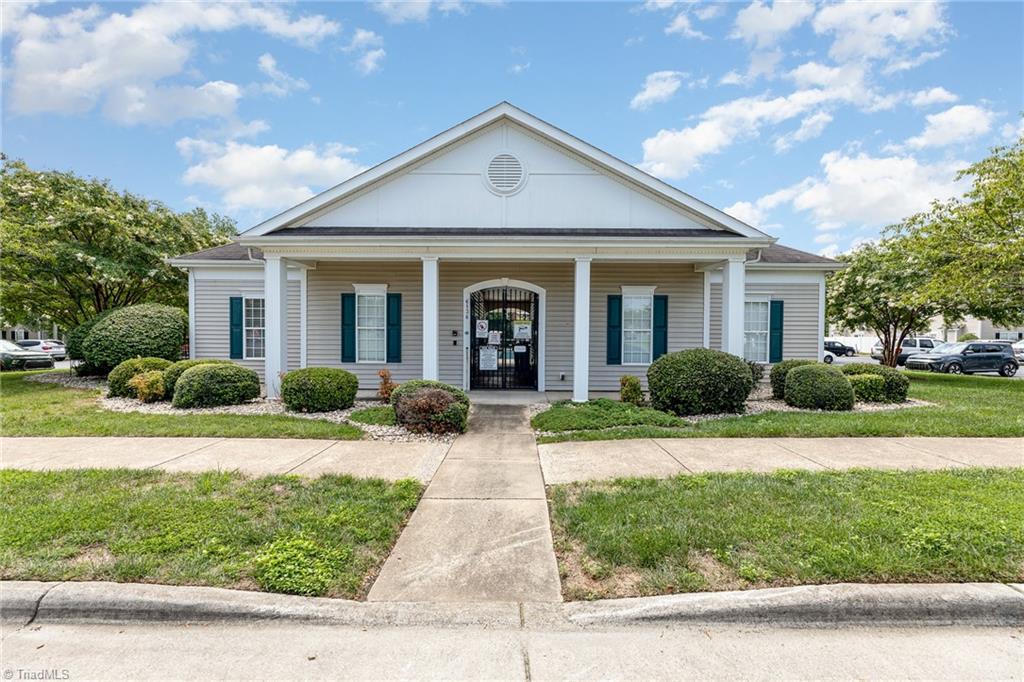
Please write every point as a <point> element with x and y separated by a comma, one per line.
<point>370,333</point>
<point>254,347</point>
<point>254,323</point>
<point>370,311</point>
<point>371,345</point>
<point>636,347</point>
<point>637,316</point>
<point>755,327</point>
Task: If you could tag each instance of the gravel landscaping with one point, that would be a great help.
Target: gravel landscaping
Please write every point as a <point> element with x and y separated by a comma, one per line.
<point>68,379</point>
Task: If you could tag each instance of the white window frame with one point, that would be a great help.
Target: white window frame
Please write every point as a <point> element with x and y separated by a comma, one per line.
<point>246,327</point>
<point>637,292</point>
<point>767,333</point>
<point>372,290</point>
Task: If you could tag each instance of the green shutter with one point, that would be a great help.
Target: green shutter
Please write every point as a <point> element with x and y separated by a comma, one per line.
<point>348,327</point>
<point>775,331</point>
<point>235,326</point>
<point>614,356</point>
<point>394,328</point>
<point>660,344</point>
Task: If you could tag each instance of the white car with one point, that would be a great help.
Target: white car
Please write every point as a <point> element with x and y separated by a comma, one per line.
<point>829,357</point>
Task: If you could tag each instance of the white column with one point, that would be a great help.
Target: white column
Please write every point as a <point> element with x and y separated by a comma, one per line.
<point>275,299</point>
<point>303,317</point>
<point>191,314</point>
<point>733,295</point>
<point>431,333</point>
<point>581,333</point>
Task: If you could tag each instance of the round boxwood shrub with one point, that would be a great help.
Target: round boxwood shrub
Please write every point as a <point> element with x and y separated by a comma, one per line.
<point>174,372</point>
<point>777,376</point>
<point>896,382</point>
<point>148,386</point>
<point>699,381</point>
<point>868,388</point>
<point>408,388</point>
<point>118,385</point>
<point>432,410</point>
<point>211,385</point>
<point>818,387</point>
<point>76,337</point>
<point>319,389</point>
<point>148,330</point>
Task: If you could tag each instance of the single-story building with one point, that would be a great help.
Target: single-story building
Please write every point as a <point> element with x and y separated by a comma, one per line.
<point>503,253</point>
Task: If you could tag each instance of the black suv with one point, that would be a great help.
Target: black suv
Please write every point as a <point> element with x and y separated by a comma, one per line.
<point>840,349</point>
<point>968,358</point>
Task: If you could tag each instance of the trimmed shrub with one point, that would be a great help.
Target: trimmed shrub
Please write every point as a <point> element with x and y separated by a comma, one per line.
<point>778,375</point>
<point>630,390</point>
<point>868,388</point>
<point>319,389</point>
<point>896,382</point>
<point>756,371</point>
<point>386,385</point>
<point>699,381</point>
<point>148,386</point>
<point>408,388</point>
<point>432,410</point>
<point>967,337</point>
<point>76,337</point>
<point>174,372</point>
<point>119,378</point>
<point>148,330</point>
<point>818,387</point>
<point>216,384</point>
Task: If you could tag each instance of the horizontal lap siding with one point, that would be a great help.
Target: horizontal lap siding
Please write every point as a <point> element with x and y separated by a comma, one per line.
<point>685,291</point>
<point>557,281</point>
<point>329,281</point>
<point>800,333</point>
<point>212,318</point>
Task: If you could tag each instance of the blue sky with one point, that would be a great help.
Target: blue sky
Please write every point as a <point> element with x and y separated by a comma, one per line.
<point>819,123</point>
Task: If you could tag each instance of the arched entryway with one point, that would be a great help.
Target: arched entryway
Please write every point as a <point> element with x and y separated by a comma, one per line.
<point>504,333</point>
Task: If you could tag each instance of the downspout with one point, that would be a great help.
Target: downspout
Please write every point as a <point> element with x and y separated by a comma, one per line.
<point>755,260</point>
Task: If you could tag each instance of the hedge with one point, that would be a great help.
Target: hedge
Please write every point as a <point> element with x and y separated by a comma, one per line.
<point>868,388</point>
<point>410,387</point>
<point>174,372</point>
<point>76,337</point>
<point>897,384</point>
<point>319,389</point>
<point>211,385</point>
<point>778,375</point>
<point>699,381</point>
<point>818,387</point>
<point>432,410</point>
<point>118,385</point>
<point>148,330</point>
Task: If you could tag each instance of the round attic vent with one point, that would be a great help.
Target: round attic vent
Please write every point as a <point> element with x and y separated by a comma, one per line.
<point>505,174</point>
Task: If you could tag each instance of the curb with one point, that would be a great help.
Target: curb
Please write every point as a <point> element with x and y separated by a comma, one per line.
<point>978,604</point>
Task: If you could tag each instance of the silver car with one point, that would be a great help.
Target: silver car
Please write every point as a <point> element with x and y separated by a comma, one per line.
<point>54,347</point>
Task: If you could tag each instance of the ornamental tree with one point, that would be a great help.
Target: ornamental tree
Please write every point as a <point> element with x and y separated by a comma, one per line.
<point>74,247</point>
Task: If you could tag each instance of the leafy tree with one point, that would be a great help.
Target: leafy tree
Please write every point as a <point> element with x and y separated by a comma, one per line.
<point>74,247</point>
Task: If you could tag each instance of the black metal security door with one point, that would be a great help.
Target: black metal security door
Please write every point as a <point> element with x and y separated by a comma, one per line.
<point>503,339</point>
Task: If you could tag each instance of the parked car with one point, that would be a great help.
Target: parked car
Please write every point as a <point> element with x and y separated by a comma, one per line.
<point>912,345</point>
<point>829,357</point>
<point>1018,350</point>
<point>52,346</point>
<point>840,349</point>
<point>13,356</point>
<point>968,358</point>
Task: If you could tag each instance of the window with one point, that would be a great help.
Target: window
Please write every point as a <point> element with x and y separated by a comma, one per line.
<point>371,323</point>
<point>254,323</point>
<point>755,331</point>
<point>637,325</point>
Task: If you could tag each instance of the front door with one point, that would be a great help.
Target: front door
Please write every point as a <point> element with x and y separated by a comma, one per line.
<point>503,338</point>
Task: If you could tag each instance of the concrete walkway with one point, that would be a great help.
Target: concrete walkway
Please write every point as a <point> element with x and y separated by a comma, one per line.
<point>481,531</point>
<point>662,458</point>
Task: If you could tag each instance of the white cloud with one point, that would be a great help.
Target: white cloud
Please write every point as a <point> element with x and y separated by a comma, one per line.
<point>924,98</point>
<point>1012,132</point>
<point>756,213</point>
<point>810,127</point>
<point>406,11</point>
<point>265,177</point>
<point>519,69</point>
<point>132,104</point>
<point>957,124</point>
<point>370,61</point>
<point>764,25</point>
<point>762,63</point>
<point>881,30</point>
<point>280,83</point>
<point>658,87</point>
<point>364,39</point>
<point>680,26</point>
<point>370,47</point>
<point>907,63</point>
<point>708,12</point>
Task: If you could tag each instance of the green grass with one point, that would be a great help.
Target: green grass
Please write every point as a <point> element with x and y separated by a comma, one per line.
<point>965,406</point>
<point>599,414</point>
<point>29,408</point>
<point>382,415</point>
<point>278,533</point>
<point>734,531</point>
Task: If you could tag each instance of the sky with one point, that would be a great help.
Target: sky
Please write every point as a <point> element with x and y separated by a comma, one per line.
<point>818,123</point>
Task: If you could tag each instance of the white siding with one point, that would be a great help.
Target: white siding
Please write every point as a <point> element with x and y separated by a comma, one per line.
<point>800,334</point>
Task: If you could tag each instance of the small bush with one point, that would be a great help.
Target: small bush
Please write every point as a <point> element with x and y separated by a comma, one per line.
<point>408,388</point>
<point>386,385</point>
<point>868,388</point>
<point>818,387</point>
<point>967,337</point>
<point>319,389</point>
<point>174,372</point>
<point>778,375</point>
<point>214,385</point>
<point>148,330</point>
<point>896,382</point>
<point>120,376</point>
<point>432,410</point>
<point>148,386</point>
<point>297,565</point>
<point>630,390</point>
<point>756,371</point>
<point>699,381</point>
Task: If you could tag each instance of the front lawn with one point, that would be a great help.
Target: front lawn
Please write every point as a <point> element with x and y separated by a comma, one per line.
<point>599,414</point>
<point>275,533</point>
<point>733,531</point>
<point>28,408</point>
<point>965,406</point>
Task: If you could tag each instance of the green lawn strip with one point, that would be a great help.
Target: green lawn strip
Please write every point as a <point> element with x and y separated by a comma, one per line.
<point>734,531</point>
<point>381,415</point>
<point>278,533</point>
<point>600,414</point>
<point>964,406</point>
<point>33,409</point>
